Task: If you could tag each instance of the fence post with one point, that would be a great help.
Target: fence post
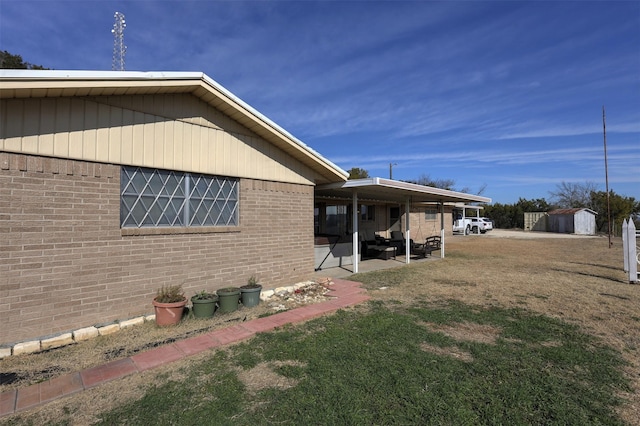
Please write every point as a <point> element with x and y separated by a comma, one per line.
<point>625,244</point>
<point>633,254</point>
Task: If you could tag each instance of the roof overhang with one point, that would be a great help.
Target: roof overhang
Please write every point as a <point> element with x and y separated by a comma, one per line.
<point>39,84</point>
<point>388,190</point>
<point>466,206</point>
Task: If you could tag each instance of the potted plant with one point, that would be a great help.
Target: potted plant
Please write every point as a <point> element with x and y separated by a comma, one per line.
<point>228,299</point>
<point>204,304</point>
<point>169,304</point>
<point>250,293</point>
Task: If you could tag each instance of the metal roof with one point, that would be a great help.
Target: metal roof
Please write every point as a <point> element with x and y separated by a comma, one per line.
<point>385,190</point>
<point>39,83</point>
<point>572,211</point>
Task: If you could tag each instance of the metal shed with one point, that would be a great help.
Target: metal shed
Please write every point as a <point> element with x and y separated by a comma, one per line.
<point>581,221</point>
<point>536,221</point>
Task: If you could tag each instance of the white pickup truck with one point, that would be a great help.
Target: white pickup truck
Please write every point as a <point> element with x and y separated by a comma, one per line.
<point>462,225</point>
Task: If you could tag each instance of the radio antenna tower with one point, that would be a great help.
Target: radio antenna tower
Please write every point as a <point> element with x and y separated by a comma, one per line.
<point>119,49</point>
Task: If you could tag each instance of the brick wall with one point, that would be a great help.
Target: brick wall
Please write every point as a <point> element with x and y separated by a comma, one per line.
<point>422,228</point>
<point>65,264</point>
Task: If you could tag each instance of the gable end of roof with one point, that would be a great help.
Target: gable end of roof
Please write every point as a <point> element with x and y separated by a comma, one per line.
<point>39,83</point>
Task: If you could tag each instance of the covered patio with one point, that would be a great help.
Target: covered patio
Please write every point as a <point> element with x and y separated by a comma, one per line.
<point>371,265</point>
<point>357,196</point>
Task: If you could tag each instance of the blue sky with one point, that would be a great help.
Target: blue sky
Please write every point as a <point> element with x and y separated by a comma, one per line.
<point>507,94</point>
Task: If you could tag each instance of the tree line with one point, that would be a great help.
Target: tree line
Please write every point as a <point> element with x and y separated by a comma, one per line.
<point>568,195</point>
<point>15,62</point>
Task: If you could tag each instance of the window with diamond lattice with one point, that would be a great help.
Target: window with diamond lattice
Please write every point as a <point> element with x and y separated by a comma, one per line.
<point>161,198</point>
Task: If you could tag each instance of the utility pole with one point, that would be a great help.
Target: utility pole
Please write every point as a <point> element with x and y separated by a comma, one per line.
<point>391,169</point>
<point>606,174</point>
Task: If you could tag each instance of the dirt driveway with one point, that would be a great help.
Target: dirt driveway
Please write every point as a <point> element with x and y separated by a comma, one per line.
<point>519,234</point>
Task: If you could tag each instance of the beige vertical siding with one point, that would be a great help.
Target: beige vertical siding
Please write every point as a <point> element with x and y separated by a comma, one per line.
<point>163,131</point>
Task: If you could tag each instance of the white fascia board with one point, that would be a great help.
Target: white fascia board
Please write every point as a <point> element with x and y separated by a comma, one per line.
<point>432,190</point>
<point>394,184</point>
<point>97,75</point>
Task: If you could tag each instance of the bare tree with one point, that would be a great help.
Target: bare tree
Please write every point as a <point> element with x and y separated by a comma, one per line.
<point>448,184</point>
<point>426,180</point>
<point>572,195</point>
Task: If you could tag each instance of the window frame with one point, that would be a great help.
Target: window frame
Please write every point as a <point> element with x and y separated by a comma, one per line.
<point>430,214</point>
<point>367,212</point>
<point>172,200</point>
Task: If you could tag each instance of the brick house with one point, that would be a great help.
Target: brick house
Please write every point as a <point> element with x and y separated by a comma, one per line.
<point>113,184</point>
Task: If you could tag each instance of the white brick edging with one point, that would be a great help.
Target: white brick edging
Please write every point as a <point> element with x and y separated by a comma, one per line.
<point>68,338</point>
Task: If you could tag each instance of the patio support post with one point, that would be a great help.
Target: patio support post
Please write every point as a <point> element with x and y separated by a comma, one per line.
<point>442,229</point>
<point>464,221</point>
<point>407,232</point>
<point>478,217</point>
<point>356,246</point>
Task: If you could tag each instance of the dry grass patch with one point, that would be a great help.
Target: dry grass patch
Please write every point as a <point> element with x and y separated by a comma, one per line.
<point>478,333</point>
<point>451,351</point>
<point>263,376</point>
<point>455,283</point>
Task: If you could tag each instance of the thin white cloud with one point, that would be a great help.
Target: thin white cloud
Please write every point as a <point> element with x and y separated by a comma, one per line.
<point>623,159</point>
<point>561,131</point>
<point>483,89</point>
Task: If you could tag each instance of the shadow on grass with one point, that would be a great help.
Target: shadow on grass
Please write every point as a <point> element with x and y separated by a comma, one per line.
<point>591,275</point>
<point>599,265</point>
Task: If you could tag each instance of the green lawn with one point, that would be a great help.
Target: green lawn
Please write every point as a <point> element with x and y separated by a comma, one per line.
<point>397,364</point>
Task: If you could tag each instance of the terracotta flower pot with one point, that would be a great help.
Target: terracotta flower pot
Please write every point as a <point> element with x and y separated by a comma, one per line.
<point>169,313</point>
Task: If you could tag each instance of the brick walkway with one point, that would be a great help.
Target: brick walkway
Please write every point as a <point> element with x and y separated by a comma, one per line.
<point>343,293</point>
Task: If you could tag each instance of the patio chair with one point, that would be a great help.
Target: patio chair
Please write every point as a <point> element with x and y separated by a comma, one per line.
<point>397,241</point>
<point>371,244</point>
<point>371,237</point>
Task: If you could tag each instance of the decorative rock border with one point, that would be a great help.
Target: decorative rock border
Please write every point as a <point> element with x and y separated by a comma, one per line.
<point>81,334</point>
<point>69,338</point>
